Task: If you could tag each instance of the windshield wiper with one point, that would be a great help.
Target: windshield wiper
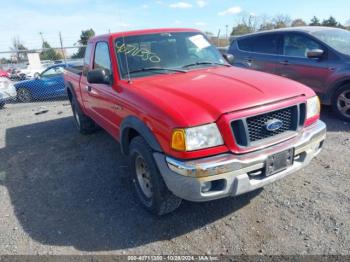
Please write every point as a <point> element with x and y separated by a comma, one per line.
<point>157,69</point>
<point>205,63</point>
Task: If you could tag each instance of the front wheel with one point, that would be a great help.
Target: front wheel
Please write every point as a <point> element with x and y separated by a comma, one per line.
<point>149,185</point>
<point>341,103</point>
<point>23,95</point>
<point>84,124</point>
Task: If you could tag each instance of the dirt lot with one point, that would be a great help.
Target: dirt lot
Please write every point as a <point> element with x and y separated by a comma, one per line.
<point>64,193</point>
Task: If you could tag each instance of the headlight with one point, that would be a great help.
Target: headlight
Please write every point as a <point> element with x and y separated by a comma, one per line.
<point>313,107</point>
<point>195,138</point>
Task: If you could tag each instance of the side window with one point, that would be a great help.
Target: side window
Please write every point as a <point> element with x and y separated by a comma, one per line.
<point>264,44</point>
<point>297,45</point>
<point>102,59</point>
<point>87,58</point>
<point>53,72</point>
<point>247,44</point>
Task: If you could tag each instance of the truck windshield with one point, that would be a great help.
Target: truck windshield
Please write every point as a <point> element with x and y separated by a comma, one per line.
<point>336,38</point>
<point>165,53</point>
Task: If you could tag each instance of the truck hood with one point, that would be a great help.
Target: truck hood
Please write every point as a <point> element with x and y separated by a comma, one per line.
<point>202,96</point>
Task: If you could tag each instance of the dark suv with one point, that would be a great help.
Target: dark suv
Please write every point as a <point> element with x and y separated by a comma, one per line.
<point>316,56</point>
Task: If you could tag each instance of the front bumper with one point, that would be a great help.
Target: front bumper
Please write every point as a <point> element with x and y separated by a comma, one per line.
<point>232,175</point>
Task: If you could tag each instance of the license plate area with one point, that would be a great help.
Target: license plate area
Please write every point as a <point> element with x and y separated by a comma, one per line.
<point>279,162</point>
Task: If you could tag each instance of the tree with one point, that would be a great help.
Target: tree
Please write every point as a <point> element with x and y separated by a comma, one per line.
<point>49,53</point>
<point>84,38</point>
<point>331,22</point>
<point>266,26</point>
<point>298,22</point>
<point>281,21</point>
<point>17,47</point>
<point>245,25</point>
<point>315,21</point>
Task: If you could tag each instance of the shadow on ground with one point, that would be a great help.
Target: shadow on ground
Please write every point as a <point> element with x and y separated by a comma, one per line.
<point>333,123</point>
<point>73,190</point>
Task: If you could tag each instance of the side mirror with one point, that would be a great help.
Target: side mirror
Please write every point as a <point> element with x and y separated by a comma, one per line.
<point>99,76</point>
<point>315,53</point>
<point>229,58</point>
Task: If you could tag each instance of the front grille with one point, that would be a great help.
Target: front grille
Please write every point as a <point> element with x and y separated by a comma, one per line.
<point>252,130</point>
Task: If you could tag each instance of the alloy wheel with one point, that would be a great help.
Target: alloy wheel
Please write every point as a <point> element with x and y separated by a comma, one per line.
<point>343,103</point>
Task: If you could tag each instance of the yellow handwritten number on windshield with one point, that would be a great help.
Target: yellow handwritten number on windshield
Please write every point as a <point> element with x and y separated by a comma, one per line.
<point>132,50</point>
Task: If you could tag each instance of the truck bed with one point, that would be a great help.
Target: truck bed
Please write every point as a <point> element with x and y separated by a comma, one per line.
<point>75,69</point>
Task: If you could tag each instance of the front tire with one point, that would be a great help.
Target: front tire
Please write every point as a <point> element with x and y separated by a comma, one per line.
<point>341,103</point>
<point>24,95</point>
<point>84,124</point>
<point>148,182</point>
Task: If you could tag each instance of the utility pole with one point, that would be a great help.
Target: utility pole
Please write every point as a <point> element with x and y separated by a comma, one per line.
<point>64,55</point>
<point>226,32</point>
<point>218,39</point>
<point>42,37</point>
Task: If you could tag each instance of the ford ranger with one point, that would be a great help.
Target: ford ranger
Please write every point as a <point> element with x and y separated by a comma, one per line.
<point>193,126</point>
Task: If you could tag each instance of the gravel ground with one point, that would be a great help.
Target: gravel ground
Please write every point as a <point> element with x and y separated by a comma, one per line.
<point>64,193</point>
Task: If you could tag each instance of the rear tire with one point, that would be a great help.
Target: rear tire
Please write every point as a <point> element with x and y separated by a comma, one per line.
<point>24,95</point>
<point>84,124</point>
<point>341,103</point>
<point>149,184</point>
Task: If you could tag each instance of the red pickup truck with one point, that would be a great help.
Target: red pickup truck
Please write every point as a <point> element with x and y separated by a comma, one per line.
<point>193,126</point>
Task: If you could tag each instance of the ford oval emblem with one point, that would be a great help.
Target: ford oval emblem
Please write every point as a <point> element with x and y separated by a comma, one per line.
<point>273,125</point>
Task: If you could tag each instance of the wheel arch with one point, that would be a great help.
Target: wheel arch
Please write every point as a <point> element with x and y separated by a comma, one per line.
<point>132,127</point>
<point>337,85</point>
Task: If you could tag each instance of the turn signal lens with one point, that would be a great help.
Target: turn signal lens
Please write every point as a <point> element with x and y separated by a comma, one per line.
<point>178,140</point>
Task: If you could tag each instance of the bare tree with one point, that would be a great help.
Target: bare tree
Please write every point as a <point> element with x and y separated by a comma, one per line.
<point>298,22</point>
<point>282,21</point>
<point>17,47</point>
<point>245,25</point>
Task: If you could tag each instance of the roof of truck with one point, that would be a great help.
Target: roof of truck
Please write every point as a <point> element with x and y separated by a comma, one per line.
<point>145,32</point>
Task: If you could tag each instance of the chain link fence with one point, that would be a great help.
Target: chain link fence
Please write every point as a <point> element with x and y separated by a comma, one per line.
<point>29,76</point>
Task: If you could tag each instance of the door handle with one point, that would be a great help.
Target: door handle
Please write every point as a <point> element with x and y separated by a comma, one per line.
<point>284,62</point>
<point>88,88</point>
<point>249,59</point>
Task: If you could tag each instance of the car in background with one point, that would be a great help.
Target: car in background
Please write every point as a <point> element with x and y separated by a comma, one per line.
<point>223,49</point>
<point>48,84</point>
<point>4,73</point>
<point>7,91</point>
<point>316,56</point>
<point>16,74</point>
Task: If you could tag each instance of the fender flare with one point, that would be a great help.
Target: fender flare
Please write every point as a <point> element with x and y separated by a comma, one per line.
<point>134,123</point>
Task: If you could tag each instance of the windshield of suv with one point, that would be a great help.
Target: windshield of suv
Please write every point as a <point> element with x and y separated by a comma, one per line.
<point>165,53</point>
<point>336,38</point>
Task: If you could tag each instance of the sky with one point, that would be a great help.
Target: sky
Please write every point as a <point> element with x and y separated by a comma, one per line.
<point>27,18</point>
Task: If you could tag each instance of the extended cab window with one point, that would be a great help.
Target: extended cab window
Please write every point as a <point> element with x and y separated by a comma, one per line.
<point>164,53</point>
<point>297,45</point>
<point>102,59</point>
<point>265,44</point>
<point>87,58</point>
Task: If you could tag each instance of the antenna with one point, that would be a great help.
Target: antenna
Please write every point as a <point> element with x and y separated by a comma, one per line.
<point>126,58</point>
